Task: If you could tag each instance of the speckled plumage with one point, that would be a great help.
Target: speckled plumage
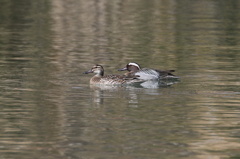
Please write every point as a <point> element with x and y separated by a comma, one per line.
<point>100,78</point>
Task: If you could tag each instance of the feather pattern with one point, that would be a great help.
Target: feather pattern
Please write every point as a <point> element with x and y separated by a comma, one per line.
<point>147,73</point>
<point>100,78</point>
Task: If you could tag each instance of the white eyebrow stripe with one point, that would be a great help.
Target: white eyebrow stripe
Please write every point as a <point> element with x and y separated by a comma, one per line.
<point>134,64</point>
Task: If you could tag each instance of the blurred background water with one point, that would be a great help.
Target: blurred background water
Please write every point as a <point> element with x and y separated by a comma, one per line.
<point>48,109</point>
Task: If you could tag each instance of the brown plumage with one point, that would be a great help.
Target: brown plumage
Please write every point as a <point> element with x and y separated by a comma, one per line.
<point>100,78</point>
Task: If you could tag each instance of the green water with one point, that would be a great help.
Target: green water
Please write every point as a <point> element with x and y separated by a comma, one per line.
<point>48,109</point>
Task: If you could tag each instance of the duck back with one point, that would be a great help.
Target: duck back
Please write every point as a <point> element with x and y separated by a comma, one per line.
<point>113,80</point>
<point>147,74</point>
<point>152,74</point>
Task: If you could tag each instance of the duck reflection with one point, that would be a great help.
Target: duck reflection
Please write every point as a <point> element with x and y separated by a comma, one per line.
<point>129,93</point>
<point>158,83</point>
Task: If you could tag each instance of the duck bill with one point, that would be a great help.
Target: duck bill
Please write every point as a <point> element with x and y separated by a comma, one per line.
<point>87,72</point>
<point>123,69</point>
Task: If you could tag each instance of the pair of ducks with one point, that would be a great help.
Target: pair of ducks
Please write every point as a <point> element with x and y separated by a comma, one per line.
<point>134,75</point>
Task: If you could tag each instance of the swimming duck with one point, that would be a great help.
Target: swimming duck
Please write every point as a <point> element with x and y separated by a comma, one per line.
<point>146,73</point>
<point>100,78</point>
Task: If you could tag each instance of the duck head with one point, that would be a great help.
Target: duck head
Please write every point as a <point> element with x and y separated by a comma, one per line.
<point>97,69</point>
<point>131,67</point>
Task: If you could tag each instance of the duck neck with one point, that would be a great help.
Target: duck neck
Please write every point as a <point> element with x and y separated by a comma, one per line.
<point>100,74</point>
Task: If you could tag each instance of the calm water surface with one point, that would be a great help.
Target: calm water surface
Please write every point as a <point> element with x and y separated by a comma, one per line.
<point>49,110</point>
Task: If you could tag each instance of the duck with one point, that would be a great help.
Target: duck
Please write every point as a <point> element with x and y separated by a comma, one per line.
<point>100,78</point>
<point>134,69</point>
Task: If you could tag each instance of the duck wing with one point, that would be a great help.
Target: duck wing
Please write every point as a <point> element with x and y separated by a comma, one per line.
<point>147,74</point>
<point>153,74</point>
<point>119,79</point>
<point>166,73</point>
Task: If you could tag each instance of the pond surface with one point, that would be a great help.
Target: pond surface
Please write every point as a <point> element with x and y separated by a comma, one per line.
<point>49,110</point>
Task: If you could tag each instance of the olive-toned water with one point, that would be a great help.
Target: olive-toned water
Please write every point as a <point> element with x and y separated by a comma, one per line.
<point>48,109</point>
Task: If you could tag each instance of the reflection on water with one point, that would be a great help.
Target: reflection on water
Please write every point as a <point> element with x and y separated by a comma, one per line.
<point>48,109</point>
<point>131,91</point>
<point>157,84</point>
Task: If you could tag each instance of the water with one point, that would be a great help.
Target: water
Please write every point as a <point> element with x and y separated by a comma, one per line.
<point>48,109</point>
